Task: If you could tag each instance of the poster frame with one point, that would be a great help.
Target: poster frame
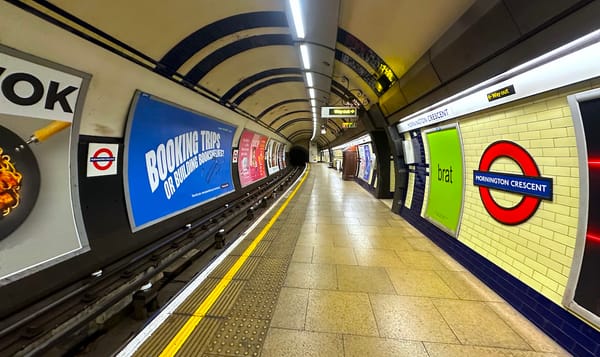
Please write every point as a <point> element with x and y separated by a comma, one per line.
<point>72,162</point>
<point>130,116</point>
<point>569,296</point>
<point>462,202</point>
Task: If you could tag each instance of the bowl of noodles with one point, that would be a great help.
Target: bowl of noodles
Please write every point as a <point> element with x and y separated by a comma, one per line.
<point>19,181</point>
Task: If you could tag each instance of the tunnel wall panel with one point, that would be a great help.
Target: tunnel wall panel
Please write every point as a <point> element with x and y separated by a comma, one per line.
<point>111,89</point>
<point>527,263</point>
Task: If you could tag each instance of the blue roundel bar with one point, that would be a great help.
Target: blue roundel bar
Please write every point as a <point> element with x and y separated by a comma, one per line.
<point>540,187</point>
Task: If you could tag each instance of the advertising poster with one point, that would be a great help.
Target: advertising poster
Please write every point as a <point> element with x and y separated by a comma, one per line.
<point>175,159</point>
<point>40,215</point>
<point>251,162</point>
<point>281,157</point>
<point>445,199</point>
<point>367,173</point>
<point>272,156</point>
<point>583,283</point>
<point>361,156</point>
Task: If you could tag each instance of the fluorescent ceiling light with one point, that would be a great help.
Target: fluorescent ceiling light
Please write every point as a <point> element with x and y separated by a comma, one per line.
<point>309,79</point>
<point>305,58</point>
<point>311,92</point>
<point>313,102</point>
<point>297,16</point>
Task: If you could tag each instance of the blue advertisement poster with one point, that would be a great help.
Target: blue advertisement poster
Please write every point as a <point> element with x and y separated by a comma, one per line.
<point>367,159</point>
<point>175,159</point>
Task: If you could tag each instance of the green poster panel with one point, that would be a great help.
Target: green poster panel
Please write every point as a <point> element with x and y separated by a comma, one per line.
<point>444,203</point>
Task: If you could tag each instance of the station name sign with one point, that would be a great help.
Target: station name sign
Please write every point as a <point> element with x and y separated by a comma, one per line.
<point>339,112</point>
<point>530,184</point>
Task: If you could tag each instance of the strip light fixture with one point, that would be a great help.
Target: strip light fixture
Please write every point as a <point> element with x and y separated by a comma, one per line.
<point>297,16</point>
<point>309,79</point>
<point>305,56</point>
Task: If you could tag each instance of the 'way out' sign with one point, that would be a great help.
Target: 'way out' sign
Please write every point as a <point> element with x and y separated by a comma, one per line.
<point>33,90</point>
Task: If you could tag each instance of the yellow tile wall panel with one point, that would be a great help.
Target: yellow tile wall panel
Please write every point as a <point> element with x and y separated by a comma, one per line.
<point>553,295</point>
<point>549,114</point>
<point>529,135</point>
<point>564,239</point>
<point>565,142</point>
<point>514,112</point>
<point>566,220</point>
<point>560,102</point>
<point>545,281</point>
<point>539,251</point>
<point>535,107</point>
<point>542,143</point>
<point>532,283</point>
<point>556,227</point>
<point>561,122</point>
<point>522,268</point>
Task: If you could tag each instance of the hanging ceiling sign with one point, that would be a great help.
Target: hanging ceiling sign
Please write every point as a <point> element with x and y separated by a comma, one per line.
<point>339,112</point>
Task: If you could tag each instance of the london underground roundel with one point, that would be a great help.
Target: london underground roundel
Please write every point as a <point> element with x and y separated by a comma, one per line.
<point>531,185</point>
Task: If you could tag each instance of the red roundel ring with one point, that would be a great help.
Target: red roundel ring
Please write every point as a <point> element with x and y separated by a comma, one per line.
<point>528,205</point>
<point>107,164</point>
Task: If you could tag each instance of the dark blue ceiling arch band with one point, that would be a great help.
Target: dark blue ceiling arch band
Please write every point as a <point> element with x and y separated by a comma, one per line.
<point>340,94</point>
<point>358,68</point>
<point>232,49</point>
<point>341,91</point>
<point>278,104</point>
<point>257,77</point>
<point>199,39</point>
<point>360,49</point>
<point>300,132</point>
<point>289,113</point>
<point>293,122</point>
<point>308,134</point>
<point>332,121</point>
<point>296,121</point>
<point>321,139</point>
<point>293,119</point>
<point>250,91</point>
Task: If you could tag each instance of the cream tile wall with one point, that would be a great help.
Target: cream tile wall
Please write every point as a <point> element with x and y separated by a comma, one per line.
<point>539,251</point>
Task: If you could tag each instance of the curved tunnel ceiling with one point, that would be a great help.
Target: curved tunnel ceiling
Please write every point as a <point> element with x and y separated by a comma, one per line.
<point>244,54</point>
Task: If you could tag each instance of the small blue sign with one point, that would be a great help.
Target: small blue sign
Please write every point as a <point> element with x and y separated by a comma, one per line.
<point>175,159</point>
<point>529,186</point>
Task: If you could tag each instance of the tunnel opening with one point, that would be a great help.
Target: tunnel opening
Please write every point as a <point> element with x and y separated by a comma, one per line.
<point>298,156</point>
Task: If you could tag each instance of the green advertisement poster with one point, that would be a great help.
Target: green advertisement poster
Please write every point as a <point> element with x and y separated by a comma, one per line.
<point>445,199</point>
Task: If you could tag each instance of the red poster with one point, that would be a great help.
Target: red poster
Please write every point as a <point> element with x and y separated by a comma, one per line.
<point>251,161</point>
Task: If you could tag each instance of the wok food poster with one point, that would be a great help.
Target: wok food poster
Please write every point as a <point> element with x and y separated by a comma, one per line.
<point>37,200</point>
<point>251,162</point>
<point>175,159</point>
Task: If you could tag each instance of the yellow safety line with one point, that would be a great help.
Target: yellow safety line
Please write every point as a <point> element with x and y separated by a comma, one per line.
<point>184,333</point>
